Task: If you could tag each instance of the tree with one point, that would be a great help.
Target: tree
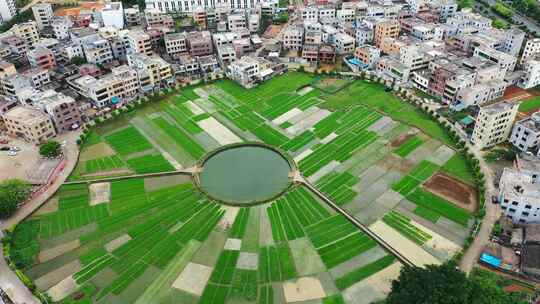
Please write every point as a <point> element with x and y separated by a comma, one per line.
<point>12,193</point>
<point>77,60</point>
<point>50,149</point>
<point>446,284</point>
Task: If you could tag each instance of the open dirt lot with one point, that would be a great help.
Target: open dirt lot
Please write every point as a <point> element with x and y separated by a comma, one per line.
<point>22,165</point>
<point>452,190</point>
<point>406,247</point>
<point>193,278</point>
<point>54,277</point>
<point>119,241</point>
<point>100,193</point>
<point>304,289</point>
<point>218,131</point>
<point>272,31</point>
<point>63,289</point>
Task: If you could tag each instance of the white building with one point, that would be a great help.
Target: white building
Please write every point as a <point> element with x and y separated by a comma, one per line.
<point>237,22</point>
<point>506,62</point>
<point>112,14</point>
<point>293,38</point>
<point>7,10</point>
<point>532,47</point>
<point>513,41</point>
<point>97,50</point>
<point>27,31</point>
<point>344,43</point>
<point>494,124</point>
<point>531,73</point>
<point>526,133</point>
<point>43,14</point>
<point>152,71</point>
<point>189,6</point>
<point>245,71</point>
<point>139,42</point>
<point>61,26</point>
<point>519,195</point>
<point>175,43</point>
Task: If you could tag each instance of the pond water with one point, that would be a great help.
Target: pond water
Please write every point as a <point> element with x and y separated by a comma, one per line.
<point>245,174</point>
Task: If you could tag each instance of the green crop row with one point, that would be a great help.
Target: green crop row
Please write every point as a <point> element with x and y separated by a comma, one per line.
<point>440,206</point>
<point>150,164</point>
<point>128,141</point>
<point>106,163</point>
<point>363,272</point>
<point>404,226</point>
<point>408,146</point>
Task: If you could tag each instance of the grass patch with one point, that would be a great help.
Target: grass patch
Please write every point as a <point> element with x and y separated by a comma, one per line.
<point>458,167</point>
<point>150,164</point>
<point>128,141</point>
<point>530,105</point>
<point>363,272</point>
<point>408,146</point>
<point>439,206</point>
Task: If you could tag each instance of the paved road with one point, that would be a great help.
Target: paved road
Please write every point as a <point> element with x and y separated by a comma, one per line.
<point>493,212</point>
<point>11,284</point>
<point>528,22</point>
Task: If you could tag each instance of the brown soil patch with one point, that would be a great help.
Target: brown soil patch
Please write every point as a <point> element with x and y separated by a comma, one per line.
<point>400,140</point>
<point>96,151</point>
<point>272,31</point>
<point>453,190</point>
<point>394,162</point>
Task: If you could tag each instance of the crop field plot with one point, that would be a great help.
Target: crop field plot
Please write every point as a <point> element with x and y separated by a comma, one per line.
<point>404,226</point>
<point>338,131</point>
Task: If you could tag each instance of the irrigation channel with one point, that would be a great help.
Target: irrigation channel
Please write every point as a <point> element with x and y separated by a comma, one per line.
<point>247,174</point>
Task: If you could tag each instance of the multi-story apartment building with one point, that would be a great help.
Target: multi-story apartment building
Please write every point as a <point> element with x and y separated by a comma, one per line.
<point>385,29</point>
<point>506,62</point>
<point>27,31</point>
<point>132,17</point>
<point>245,71</point>
<point>226,54</point>
<point>513,41</point>
<point>531,49</point>
<point>310,52</point>
<point>237,21</point>
<point>63,110</point>
<point>494,124</point>
<point>112,14</point>
<point>199,43</point>
<point>101,92</point>
<point>96,49</point>
<point>7,10</point>
<point>480,93</point>
<point>16,45</point>
<point>182,6</point>
<point>29,123</point>
<point>156,18</point>
<point>293,38</point>
<point>526,134</point>
<point>152,71</point>
<point>175,44</point>
<point>519,195</point>
<point>61,27</point>
<point>253,23</point>
<point>367,55</point>
<point>327,54</point>
<point>130,81</point>
<point>344,43</point>
<point>138,42</point>
<point>38,77</point>
<point>43,14</point>
<point>364,35</point>
<point>531,73</point>
<point>41,57</point>
<point>15,85</point>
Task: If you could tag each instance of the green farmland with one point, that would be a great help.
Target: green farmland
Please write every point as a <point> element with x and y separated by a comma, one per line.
<point>160,239</point>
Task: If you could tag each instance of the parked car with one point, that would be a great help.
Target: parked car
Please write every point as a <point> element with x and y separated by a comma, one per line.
<point>12,153</point>
<point>15,149</point>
